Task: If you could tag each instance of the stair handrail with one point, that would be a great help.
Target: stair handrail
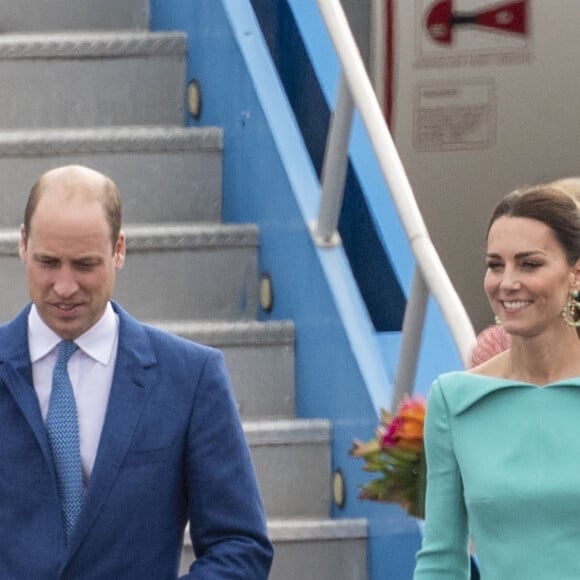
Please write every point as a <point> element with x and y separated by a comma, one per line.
<point>430,277</point>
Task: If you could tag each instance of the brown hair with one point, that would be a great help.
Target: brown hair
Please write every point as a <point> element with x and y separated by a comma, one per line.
<point>549,205</point>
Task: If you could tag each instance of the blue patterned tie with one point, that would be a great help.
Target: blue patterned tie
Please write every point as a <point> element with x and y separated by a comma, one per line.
<point>63,435</point>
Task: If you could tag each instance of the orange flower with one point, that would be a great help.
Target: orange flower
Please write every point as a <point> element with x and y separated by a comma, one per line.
<point>413,408</point>
<point>405,431</point>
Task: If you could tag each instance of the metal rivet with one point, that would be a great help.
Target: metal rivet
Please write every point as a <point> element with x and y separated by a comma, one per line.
<point>266,292</point>
<point>338,488</point>
<point>194,98</point>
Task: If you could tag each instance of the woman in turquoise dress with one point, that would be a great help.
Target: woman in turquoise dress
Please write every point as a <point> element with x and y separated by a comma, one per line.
<point>503,440</point>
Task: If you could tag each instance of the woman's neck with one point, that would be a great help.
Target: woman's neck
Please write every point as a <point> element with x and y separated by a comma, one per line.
<point>542,359</point>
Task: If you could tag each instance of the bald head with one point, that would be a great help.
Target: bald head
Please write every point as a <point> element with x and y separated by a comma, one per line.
<point>71,216</point>
<point>76,183</point>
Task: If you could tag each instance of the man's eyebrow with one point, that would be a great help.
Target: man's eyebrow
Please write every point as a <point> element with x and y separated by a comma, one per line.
<point>87,259</point>
<point>42,256</point>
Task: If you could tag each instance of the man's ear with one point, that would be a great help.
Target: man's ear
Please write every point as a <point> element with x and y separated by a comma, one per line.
<point>22,243</point>
<point>120,249</point>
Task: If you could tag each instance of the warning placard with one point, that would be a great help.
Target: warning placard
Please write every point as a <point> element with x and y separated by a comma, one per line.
<point>454,115</point>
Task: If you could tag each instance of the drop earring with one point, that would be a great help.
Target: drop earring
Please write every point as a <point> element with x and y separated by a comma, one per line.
<point>571,310</point>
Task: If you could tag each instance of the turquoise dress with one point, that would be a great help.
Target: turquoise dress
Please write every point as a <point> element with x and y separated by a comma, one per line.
<point>503,460</point>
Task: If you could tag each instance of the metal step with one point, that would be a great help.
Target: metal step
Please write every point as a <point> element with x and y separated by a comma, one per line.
<point>44,15</point>
<point>319,549</point>
<point>172,271</point>
<point>259,357</point>
<point>311,549</point>
<point>163,173</point>
<point>94,78</point>
<point>292,461</point>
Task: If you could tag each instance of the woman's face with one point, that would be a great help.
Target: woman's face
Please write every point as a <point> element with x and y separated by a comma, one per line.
<point>528,279</point>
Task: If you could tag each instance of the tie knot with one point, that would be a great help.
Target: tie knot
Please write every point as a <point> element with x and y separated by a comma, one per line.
<point>66,349</point>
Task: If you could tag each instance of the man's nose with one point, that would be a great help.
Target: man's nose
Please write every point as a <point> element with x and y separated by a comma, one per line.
<point>65,284</point>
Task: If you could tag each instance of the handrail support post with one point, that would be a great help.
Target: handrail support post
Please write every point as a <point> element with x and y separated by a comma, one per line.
<point>334,167</point>
<point>412,332</point>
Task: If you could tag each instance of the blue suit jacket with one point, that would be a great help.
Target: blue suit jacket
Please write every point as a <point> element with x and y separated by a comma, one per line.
<point>172,450</point>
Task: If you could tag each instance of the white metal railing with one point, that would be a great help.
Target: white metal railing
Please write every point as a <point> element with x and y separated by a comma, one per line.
<point>356,92</point>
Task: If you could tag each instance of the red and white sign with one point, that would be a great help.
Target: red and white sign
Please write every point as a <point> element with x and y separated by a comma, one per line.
<point>443,22</point>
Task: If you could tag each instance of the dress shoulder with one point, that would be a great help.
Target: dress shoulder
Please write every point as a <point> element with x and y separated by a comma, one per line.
<point>461,389</point>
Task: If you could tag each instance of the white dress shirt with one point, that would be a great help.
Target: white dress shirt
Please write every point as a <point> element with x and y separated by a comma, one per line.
<point>91,373</point>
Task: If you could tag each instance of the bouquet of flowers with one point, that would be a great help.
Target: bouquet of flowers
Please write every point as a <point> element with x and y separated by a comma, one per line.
<point>396,454</point>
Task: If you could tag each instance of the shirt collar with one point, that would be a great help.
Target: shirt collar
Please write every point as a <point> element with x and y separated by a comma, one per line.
<point>97,342</point>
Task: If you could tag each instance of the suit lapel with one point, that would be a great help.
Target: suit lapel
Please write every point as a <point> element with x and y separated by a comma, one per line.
<point>26,399</point>
<point>134,377</point>
<point>16,373</point>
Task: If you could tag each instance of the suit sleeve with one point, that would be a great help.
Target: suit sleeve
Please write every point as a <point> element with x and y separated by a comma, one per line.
<point>444,554</point>
<point>226,516</point>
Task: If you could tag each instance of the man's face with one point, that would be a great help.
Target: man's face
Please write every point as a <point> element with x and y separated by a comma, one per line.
<point>70,262</point>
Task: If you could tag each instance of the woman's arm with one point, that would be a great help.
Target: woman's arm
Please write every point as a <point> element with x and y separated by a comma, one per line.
<point>444,554</point>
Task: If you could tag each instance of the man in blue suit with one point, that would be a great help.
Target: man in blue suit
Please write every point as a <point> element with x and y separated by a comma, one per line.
<point>158,435</point>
